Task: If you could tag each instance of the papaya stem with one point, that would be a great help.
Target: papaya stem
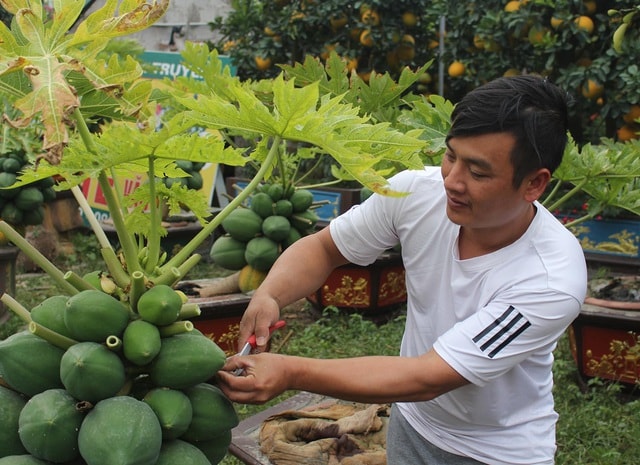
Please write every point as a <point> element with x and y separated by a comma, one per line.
<point>16,307</point>
<point>77,282</point>
<point>169,277</point>
<point>153,240</point>
<point>102,238</point>
<point>189,310</point>
<point>57,339</point>
<point>138,288</point>
<point>188,264</point>
<point>178,327</point>
<point>113,343</point>
<point>36,257</point>
<point>119,275</point>
<point>127,244</point>
<point>211,226</point>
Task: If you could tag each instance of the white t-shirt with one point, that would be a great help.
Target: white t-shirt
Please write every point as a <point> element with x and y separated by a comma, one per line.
<point>495,318</point>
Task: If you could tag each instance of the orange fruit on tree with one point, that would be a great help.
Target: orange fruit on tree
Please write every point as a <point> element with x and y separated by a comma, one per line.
<point>590,6</point>
<point>262,63</point>
<point>632,115</point>
<point>406,51</point>
<point>366,39</point>
<point>456,69</point>
<point>338,22</point>
<point>585,24</point>
<point>370,17</point>
<point>512,5</point>
<point>627,132</point>
<point>511,72</point>
<point>409,19</point>
<point>556,22</point>
<point>433,44</point>
<point>536,34</point>
<point>268,31</point>
<point>592,89</point>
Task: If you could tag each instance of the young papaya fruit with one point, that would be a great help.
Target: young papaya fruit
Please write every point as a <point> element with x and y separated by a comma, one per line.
<point>182,452</point>
<point>29,364</point>
<point>91,372</point>
<point>24,459</point>
<point>262,204</point>
<point>173,409</point>
<point>11,404</point>
<point>228,253</point>
<point>283,207</point>
<point>261,253</point>
<point>28,198</point>
<point>140,342</point>
<point>213,413</point>
<point>293,236</point>
<point>276,227</point>
<point>184,360</point>
<point>93,315</point>
<point>242,224</point>
<point>50,314</point>
<point>304,221</point>
<point>215,449</point>
<point>301,200</point>
<point>49,424</point>
<point>159,305</point>
<point>120,430</point>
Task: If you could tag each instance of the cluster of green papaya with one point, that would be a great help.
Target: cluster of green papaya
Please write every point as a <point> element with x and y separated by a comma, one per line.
<point>22,205</point>
<point>256,235</point>
<point>96,381</point>
<point>192,168</point>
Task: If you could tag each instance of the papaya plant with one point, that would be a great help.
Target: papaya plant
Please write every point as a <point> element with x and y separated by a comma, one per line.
<point>120,334</point>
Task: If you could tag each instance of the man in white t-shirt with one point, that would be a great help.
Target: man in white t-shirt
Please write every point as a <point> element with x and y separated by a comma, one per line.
<point>493,280</point>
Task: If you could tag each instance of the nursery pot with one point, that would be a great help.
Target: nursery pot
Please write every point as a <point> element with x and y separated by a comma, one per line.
<point>8,256</point>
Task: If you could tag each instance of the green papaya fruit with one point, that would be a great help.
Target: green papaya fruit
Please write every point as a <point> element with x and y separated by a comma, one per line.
<point>24,459</point>
<point>276,192</point>
<point>216,449</point>
<point>283,207</point>
<point>262,204</point>
<point>195,181</point>
<point>304,221</point>
<point>34,216</point>
<point>49,424</point>
<point>181,452</point>
<point>91,372</point>
<point>140,342</point>
<point>28,198</point>
<point>301,200</point>
<point>120,430</point>
<point>173,409</point>
<point>11,404</point>
<point>6,181</point>
<point>292,237</point>
<point>159,305</point>
<point>29,364</point>
<point>93,315</point>
<point>276,227</point>
<point>213,413</point>
<point>228,253</point>
<point>50,314</point>
<point>261,253</point>
<point>242,224</point>
<point>185,360</point>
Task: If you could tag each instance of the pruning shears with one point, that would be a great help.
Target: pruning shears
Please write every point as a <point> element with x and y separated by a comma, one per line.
<point>251,342</point>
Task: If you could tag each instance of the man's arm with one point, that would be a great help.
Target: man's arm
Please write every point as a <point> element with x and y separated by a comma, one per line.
<point>373,379</point>
<point>298,272</point>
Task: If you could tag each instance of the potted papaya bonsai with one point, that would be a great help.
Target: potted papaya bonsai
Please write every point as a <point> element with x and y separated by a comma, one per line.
<point>112,370</point>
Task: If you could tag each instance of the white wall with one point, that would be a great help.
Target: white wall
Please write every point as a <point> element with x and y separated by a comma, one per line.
<point>192,15</point>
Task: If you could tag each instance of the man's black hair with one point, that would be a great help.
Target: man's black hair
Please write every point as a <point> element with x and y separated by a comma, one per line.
<point>530,107</point>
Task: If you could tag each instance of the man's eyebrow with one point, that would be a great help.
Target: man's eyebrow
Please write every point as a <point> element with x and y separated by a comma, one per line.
<point>479,162</point>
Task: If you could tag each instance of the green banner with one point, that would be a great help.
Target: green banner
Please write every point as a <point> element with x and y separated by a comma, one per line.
<point>169,65</point>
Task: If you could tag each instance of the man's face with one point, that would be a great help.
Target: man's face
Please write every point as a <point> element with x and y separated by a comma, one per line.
<point>478,176</point>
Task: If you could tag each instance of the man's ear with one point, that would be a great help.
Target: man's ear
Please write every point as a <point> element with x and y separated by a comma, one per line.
<point>536,183</point>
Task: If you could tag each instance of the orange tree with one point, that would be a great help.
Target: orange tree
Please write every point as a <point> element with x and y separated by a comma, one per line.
<point>571,41</point>
<point>371,35</point>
